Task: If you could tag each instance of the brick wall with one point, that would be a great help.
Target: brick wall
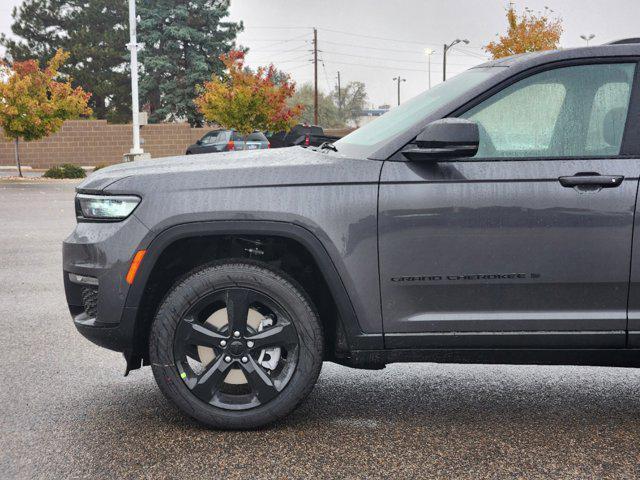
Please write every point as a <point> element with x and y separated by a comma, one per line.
<point>96,142</point>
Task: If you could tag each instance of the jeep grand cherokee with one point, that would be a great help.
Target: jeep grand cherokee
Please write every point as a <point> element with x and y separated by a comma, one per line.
<point>491,219</point>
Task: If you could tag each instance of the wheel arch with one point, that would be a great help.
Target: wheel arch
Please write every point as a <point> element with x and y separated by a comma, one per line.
<point>348,334</point>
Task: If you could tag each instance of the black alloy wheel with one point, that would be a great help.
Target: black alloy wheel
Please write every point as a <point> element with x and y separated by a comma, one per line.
<point>236,345</point>
<point>255,347</point>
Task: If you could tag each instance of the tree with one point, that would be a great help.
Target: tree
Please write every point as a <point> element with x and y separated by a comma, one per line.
<point>351,101</point>
<point>334,111</point>
<point>183,41</point>
<point>528,32</point>
<point>94,32</point>
<point>328,114</point>
<point>34,103</point>
<point>279,77</point>
<point>246,101</point>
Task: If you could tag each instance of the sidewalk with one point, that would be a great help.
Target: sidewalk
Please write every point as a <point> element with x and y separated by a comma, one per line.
<point>26,172</point>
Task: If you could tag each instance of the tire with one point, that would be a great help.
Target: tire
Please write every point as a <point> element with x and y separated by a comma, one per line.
<point>275,382</point>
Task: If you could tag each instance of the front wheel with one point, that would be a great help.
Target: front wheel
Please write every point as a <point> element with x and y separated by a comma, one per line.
<point>236,345</point>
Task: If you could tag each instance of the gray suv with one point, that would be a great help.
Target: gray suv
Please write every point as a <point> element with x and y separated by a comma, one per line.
<point>491,219</point>
<point>227,141</point>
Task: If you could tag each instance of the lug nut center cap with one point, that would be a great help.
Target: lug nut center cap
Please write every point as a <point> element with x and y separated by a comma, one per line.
<point>236,347</point>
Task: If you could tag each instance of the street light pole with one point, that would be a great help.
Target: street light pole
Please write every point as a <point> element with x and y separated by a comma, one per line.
<point>399,79</point>
<point>135,103</point>
<point>429,52</point>
<point>587,38</point>
<point>444,55</point>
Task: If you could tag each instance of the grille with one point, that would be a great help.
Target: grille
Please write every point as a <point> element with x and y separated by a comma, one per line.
<point>90,301</point>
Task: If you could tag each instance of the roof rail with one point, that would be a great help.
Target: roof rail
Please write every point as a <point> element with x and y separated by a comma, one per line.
<point>624,41</point>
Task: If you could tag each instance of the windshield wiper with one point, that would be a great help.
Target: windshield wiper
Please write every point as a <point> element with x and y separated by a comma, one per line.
<point>328,146</point>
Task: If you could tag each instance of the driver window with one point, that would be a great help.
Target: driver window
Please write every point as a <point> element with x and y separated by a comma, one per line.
<point>564,112</point>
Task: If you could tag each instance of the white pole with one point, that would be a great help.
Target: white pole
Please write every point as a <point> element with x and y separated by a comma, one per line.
<point>135,106</point>
<point>428,52</point>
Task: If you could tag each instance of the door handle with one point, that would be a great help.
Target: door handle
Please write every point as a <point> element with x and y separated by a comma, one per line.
<point>591,181</point>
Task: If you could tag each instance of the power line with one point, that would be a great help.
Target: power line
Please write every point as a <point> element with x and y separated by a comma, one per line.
<point>367,47</point>
<point>295,67</point>
<point>474,54</point>
<point>278,41</point>
<point>279,27</point>
<point>326,76</point>
<point>279,58</point>
<point>381,67</point>
<point>344,32</point>
<point>393,59</point>
<point>294,59</point>
<point>381,38</point>
<point>276,50</point>
<point>398,50</point>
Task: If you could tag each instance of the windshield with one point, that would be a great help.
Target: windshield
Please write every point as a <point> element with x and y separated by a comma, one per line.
<point>370,137</point>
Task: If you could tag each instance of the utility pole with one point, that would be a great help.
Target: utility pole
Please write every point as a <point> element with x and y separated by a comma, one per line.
<point>339,94</point>
<point>315,76</point>
<point>135,103</point>
<point>399,79</point>
<point>444,55</point>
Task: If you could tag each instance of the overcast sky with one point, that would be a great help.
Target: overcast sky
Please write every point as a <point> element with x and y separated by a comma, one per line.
<point>280,31</point>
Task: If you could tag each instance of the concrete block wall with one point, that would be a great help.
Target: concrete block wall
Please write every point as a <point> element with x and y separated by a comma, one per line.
<point>96,142</point>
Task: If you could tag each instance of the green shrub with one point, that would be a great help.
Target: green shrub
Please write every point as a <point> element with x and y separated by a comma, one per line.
<point>66,170</point>
<point>72,171</point>
<point>98,167</point>
<point>54,172</point>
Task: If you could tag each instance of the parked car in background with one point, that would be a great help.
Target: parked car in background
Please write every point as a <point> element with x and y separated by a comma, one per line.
<point>303,135</point>
<point>228,140</point>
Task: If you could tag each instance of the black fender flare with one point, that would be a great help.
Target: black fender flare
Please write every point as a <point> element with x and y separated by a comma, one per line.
<point>156,244</point>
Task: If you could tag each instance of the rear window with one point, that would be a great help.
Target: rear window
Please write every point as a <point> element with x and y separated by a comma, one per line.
<point>256,137</point>
<point>252,137</point>
<point>307,130</point>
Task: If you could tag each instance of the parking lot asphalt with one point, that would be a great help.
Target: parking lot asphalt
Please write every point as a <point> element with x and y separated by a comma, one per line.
<point>68,412</point>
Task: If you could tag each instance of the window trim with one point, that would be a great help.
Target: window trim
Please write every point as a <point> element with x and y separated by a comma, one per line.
<point>630,147</point>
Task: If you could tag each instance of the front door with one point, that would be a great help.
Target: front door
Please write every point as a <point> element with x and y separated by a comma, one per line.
<point>527,244</point>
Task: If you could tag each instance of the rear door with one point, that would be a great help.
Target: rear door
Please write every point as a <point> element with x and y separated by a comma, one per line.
<point>529,243</point>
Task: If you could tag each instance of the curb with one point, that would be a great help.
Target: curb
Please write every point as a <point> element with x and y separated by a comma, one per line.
<point>13,167</point>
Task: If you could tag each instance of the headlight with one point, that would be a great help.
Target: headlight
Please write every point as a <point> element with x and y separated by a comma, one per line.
<point>105,207</point>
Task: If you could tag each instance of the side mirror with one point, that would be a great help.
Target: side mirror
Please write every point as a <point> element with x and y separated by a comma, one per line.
<point>446,139</point>
<point>199,142</point>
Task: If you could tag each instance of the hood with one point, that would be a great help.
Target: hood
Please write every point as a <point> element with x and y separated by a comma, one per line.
<point>282,166</point>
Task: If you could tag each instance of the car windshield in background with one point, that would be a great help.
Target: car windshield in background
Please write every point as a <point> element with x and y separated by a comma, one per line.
<point>369,138</point>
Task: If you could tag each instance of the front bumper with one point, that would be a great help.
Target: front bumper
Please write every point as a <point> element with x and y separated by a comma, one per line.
<point>102,253</point>
<point>114,337</point>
